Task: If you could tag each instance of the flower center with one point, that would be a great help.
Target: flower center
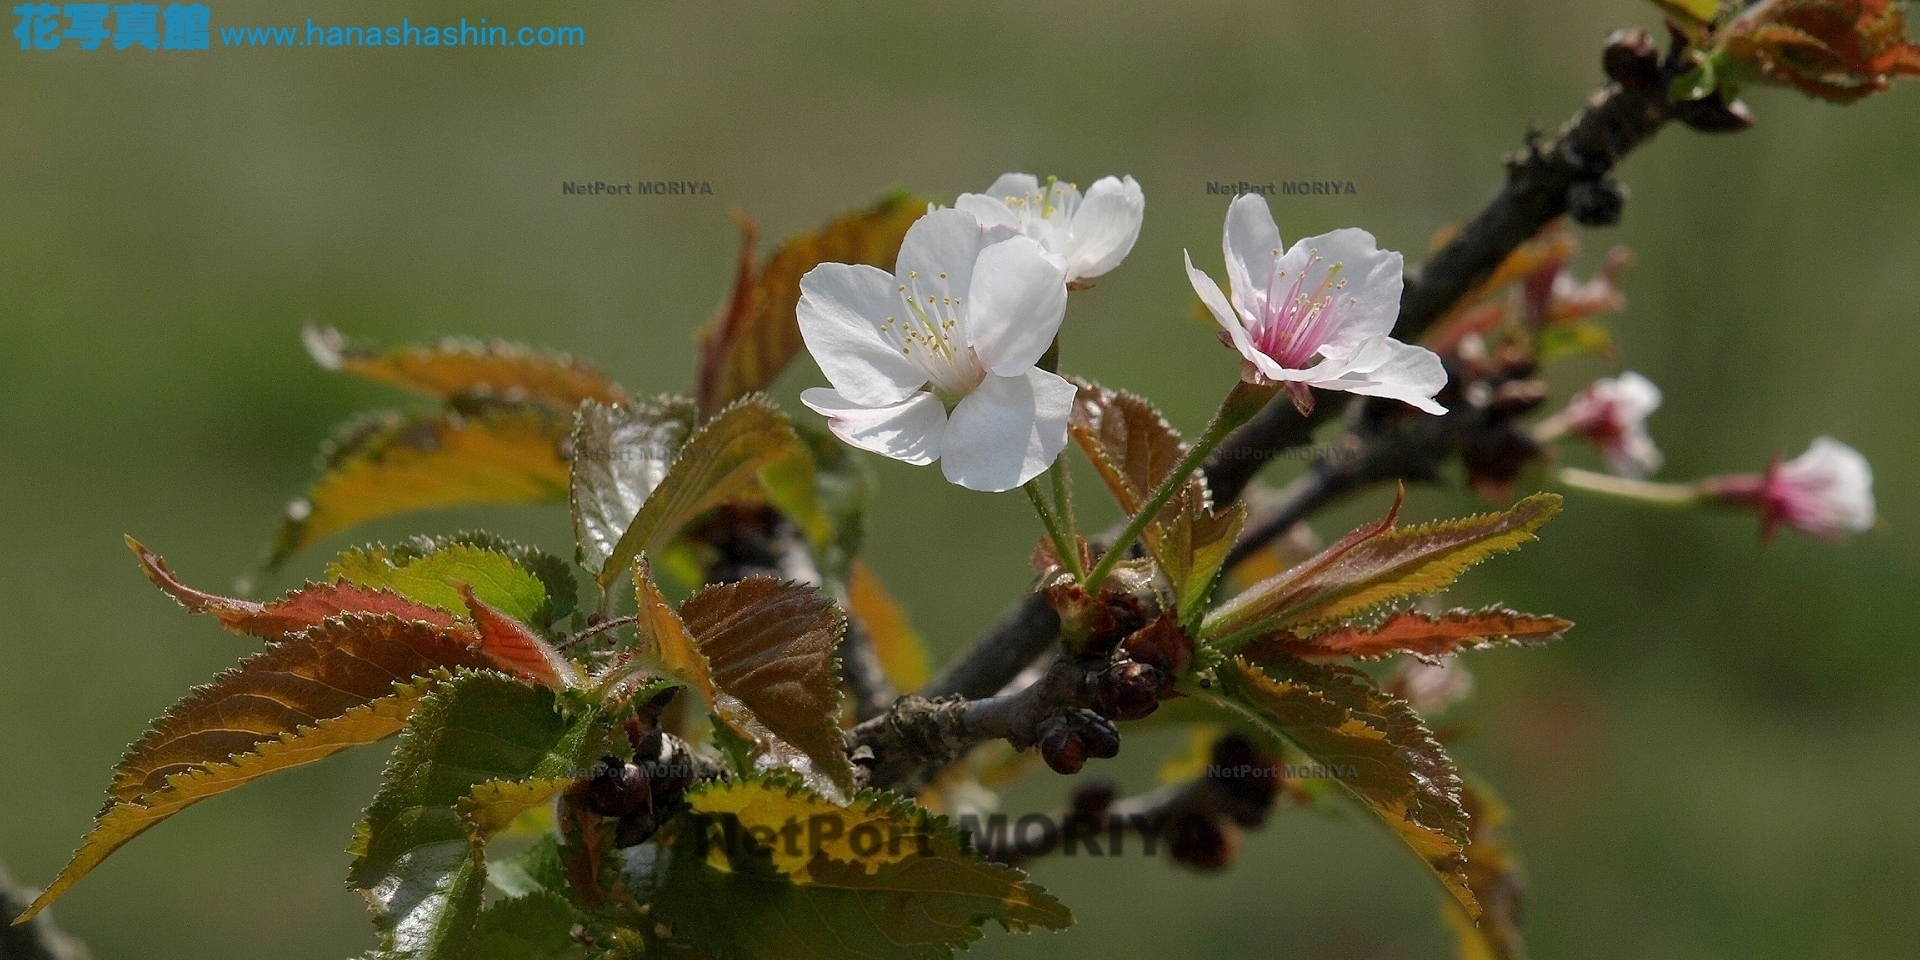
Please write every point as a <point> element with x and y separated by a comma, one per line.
<point>1292,327</point>
<point>931,332</point>
<point>1052,202</point>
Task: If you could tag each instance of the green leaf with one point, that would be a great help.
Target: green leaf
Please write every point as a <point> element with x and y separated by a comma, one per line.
<point>1393,766</point>
<point>620,453</point>
<point>918,898</point>
<point>757,333</point>
<point>533,870</point>
<point>721,462</point>
<point>386,464</point>
<point>1374,565</point>
<point>459,368</point>
<point>435,578</point>
<point>554,574</point>
<point>772,646</point>
<point>1494,876</point>
<point>537,926</point>
<point>419,861</point>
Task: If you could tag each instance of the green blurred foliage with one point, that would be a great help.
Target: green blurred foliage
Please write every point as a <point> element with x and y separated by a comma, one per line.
<point>1719,761</point>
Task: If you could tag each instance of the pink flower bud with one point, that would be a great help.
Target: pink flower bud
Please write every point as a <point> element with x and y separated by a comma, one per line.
<point>1826,492</point>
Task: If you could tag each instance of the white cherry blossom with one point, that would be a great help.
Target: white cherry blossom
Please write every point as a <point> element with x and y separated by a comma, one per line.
<point>935,361</point>
<point>1318,314</point>
<point>1093,232</point>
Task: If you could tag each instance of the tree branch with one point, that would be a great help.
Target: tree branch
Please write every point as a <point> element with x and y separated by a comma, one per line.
<point>1543,182</point>
<point>37,939</point>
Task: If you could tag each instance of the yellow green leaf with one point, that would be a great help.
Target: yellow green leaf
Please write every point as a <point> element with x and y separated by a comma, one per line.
<point>880,878</point>
<point>492,807</point>
<point>458,368</point>
<point>393,463</point>
<point>435,579</point>
<point>1494,876</point>
<point>1389,761</point>
<point>757,333</point>
<point>1697,13</point>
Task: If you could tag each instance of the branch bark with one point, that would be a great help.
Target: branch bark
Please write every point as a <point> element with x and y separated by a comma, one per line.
<point>1541,181</point>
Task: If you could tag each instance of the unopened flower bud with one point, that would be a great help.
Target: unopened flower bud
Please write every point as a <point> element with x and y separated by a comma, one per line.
<point>1063,750</point>
<point>1129,690</point>
<point>617,788</point>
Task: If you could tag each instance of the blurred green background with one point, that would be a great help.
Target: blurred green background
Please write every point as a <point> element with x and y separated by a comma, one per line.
<point>1722,760</point>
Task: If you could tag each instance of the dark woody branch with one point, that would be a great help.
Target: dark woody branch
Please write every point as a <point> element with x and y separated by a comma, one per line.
<point>1571,173</point>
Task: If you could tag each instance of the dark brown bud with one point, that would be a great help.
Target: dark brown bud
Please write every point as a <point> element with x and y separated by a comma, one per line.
<point>1597,203</point>
<point>1632,60</point>
<point>1163,646</point>
<point>1713,114</point>
<point>1129,690</point>
<point>1197,841</point>
<point>617,788</point>
<point>1063,750</point>
<point>1100,735</point>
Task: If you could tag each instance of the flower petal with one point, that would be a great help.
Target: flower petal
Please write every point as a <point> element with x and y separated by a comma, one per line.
<point>1014,185</point>
<point>1251,242</point>
<point>840,311</point>
<point>1015,305</point>
<point>1223,312</point>
<point>942,242</point>
<point>1385,367</point>
<point>989,209</point>
<point>1370,302</point>
<point>1104,227</point>
<point>1007,431</point>
<point>1636,396</point>
<point>1842,479</point>
<point>908,431</point>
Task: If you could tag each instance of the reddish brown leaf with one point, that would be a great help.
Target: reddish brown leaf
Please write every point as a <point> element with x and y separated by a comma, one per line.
<point>516,649</point>
<point>297,611</point>
<point>757,333</point>
<point>1421,634</point>
<point>312,676</point>
<point>772,645</point>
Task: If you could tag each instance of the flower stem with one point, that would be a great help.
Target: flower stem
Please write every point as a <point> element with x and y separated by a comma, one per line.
<point>1242,402</point>
<point>1064,543</point>
<point>1645,491</point>
<point>1063,497</point>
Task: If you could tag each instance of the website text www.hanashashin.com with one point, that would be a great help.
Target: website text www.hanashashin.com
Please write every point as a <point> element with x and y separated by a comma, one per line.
<point>405,34</point>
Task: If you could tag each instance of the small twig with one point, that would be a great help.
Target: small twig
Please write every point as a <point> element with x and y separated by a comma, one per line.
<point>597,629</point>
